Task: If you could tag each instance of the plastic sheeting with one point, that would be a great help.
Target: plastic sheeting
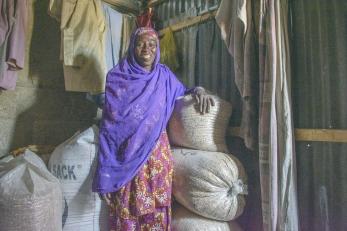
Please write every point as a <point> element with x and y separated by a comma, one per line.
<point>319,57</point>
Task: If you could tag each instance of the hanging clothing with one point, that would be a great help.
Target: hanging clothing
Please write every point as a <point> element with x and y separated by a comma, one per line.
<point>168,50</point>
<point>145,201</point>
<point>277,158</point>
<point>237,30</point>
<point>13,27</point>
<point>54,9</point>
<point>137,107</point>
<point>82,24</point>
<point>113,23</point>
<point>128,26</point>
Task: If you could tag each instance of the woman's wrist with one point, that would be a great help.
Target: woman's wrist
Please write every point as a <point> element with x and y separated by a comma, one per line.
<point>199,90</point>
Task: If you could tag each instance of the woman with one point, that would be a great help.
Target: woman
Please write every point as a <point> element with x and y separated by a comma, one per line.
<point>134,171</point>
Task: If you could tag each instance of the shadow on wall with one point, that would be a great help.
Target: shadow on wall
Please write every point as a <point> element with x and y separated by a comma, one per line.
<point>45,113</point>
<point>251,218</point>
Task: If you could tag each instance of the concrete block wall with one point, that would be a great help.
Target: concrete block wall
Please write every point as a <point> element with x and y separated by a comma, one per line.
<point>40,111</point>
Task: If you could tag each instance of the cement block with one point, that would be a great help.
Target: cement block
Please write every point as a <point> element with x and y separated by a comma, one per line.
<point>25,81</point>
<point>25,99</point>
<point>7,104</point>
<point>60,105</point>
<point>22,132</point>
<point>55,132</point>
<point>7,128</point>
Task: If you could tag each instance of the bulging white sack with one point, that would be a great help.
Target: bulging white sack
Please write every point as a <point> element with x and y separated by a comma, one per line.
<point>73,163</point>
<point>211,184</point>
<point>188,128</point>
<point>30,196</point>
<point>185,220</point>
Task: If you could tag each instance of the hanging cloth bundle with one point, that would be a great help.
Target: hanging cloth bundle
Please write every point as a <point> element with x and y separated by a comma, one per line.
<point>168,50</point>
<point>145,19</point>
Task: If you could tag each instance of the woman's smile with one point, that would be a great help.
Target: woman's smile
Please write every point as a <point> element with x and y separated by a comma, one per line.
<point>145,50</point>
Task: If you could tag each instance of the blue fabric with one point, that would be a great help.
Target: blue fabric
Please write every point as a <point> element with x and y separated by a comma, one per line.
<point>113,21</point>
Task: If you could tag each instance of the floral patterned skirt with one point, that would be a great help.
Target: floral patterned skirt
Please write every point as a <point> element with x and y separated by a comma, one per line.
<point>145,202</point>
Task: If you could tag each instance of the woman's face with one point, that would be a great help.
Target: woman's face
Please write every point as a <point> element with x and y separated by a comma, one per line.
<point>145,50</point>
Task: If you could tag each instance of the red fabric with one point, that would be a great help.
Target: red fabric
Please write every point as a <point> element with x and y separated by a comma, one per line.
<point>145,19</point>
<point>146,200</point>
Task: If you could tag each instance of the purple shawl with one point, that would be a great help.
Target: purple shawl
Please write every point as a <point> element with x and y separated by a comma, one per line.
<point>138,105</point>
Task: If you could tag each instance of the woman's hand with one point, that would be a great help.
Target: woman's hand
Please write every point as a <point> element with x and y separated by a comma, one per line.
<point>107,197</point>
<point>204,100</point>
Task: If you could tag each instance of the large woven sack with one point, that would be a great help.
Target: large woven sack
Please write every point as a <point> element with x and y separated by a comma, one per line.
<point>211,184</point>
<point>185,220</point>
<point>73,163</point>
<point>191,129</point>
<point>30,196</point>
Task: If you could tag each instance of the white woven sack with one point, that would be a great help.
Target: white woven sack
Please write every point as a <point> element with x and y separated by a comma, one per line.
<point>185,220</point>
<point>191,129</point>
<point>5,159</point>
<point>211,184</point>
<point>30,196</point>
<point>73,163</point>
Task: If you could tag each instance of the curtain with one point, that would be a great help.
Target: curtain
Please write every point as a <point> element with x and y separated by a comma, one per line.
<point>276,142</point>
<point>237,30</point>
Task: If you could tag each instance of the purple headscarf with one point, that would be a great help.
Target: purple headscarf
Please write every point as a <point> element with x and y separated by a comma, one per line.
<point>138,105</point>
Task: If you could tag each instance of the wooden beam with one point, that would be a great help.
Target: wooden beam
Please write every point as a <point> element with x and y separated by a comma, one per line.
<point>191,21</point>
<point>38,149</point>
<point>300,134</point>
<point>155,2</point>
<point>129,6</point>
<point>322,135</point>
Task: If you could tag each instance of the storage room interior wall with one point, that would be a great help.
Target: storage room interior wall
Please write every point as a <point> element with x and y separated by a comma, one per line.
<point>319,57</point>
<point>40,111</point>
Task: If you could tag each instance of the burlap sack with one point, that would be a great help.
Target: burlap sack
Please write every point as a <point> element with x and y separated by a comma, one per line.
<point>191,129</point>
<point>211,184</point>
<point>184,220</point>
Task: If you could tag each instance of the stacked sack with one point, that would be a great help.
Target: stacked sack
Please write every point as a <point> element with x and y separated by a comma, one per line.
<point>73,163</point>
<point>207,181</point>
<point>30,196</point>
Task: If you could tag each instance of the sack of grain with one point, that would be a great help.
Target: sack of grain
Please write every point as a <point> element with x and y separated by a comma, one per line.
<point>211,184</point>
<point>30,196</point>
<point>73,163</point>
<point>185,220</point>
<point>191,129</point>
